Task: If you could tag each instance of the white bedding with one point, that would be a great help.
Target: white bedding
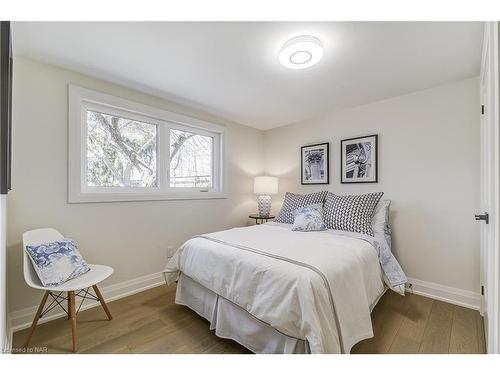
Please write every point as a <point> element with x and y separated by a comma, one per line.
<point>232,322</point>
<point>315,286</point>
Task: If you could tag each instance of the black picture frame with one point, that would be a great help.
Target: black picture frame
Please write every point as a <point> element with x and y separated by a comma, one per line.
<point>373,138</point>
<point>326,164</point>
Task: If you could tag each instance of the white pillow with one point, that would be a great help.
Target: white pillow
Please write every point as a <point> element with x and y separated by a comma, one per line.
<point>381,217</point>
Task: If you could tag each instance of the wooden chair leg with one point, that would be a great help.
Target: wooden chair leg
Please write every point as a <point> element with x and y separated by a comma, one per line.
<point>72,314</point>
<point>103,303</point>
<point>69,308</point>
<point>35,319</point>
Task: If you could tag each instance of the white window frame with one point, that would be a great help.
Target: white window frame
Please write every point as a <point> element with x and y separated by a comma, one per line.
<point>82,99</point>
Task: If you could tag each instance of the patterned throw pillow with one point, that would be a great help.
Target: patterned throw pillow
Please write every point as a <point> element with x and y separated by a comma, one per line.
<point>352,213</point>
<point>294,201</point>
<point>308,219</point>
<point>57,262</point>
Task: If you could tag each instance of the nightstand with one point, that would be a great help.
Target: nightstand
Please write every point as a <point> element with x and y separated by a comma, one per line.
<point>261,219</point>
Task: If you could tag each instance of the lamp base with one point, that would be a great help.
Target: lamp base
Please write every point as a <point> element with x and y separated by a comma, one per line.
<point>264,202</point>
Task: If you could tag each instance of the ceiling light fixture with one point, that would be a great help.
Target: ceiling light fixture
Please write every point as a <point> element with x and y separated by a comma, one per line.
<point>301,52</point>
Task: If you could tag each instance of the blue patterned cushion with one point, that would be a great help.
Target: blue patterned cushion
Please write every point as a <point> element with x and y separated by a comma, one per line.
<point>57,262</point>
<point>309,218</point>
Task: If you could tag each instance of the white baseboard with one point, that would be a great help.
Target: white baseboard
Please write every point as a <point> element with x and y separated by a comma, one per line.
<point>445,293</point>
<point>22,319</point>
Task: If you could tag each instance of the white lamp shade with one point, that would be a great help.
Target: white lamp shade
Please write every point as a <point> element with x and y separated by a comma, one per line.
<point>265,185</point>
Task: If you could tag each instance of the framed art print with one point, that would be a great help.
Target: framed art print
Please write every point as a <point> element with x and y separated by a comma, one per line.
<point>358,159</point>
<point>315,164</point>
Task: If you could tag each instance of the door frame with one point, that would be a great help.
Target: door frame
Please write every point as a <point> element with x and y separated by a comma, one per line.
<point>490,184</point>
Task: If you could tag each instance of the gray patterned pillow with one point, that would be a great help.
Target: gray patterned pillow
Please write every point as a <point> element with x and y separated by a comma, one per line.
<point>293,201</point>
<point>351,213</point>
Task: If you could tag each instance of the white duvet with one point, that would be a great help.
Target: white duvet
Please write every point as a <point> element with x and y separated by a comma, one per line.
<point>316,286</point>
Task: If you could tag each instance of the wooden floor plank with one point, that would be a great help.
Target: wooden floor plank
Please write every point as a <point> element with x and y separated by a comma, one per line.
<point>411,332</point>
<point>92,333</point>
<point>480,334</point>
<point>404,345</point>
<point>224,346</point>
<point>120,343</point>
<point>150,322</point>
<point>464,335</point>
<point>387,318</point>
<point>437,333</point>
<point>416,317</point>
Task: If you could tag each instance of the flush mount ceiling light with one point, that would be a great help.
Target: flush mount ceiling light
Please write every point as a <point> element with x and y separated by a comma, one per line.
<point>301,52</point>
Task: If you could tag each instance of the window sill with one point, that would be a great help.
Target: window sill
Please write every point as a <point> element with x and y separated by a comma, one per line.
<point>134,197</point>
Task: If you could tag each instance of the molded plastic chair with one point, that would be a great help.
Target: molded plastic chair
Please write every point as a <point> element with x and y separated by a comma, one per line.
<point>80,284</point>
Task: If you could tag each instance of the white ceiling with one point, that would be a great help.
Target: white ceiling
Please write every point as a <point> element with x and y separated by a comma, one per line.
<point>231,68</point>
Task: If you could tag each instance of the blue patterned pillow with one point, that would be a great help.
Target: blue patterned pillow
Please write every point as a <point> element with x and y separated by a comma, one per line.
<point>309,218</point>
<point>57,262</point>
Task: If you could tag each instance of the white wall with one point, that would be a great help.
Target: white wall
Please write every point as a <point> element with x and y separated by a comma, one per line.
<point>428,166</point>
<point>132,237</point>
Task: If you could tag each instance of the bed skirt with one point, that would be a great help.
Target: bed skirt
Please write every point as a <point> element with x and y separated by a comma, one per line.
<point>232,322</point>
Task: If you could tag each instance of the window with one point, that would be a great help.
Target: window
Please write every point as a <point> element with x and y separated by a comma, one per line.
<point>121,151</point>
<point>190,159</point>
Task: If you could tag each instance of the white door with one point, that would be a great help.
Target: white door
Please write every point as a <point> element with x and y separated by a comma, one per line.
<point>489,186</point>
<point>485,236</point>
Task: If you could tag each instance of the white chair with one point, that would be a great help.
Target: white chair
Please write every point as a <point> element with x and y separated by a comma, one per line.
<point>76,287</point>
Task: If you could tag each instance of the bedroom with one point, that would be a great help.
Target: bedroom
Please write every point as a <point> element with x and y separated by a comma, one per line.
<point>267,187</point>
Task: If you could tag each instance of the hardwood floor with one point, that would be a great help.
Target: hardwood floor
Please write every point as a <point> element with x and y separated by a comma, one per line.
<point>416,324</point>
<point>150,322</point>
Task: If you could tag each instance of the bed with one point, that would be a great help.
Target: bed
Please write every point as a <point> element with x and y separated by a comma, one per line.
<point>274,290</point>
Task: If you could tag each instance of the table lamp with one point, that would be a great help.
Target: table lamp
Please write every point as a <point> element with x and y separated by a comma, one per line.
<point>264,187</point>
